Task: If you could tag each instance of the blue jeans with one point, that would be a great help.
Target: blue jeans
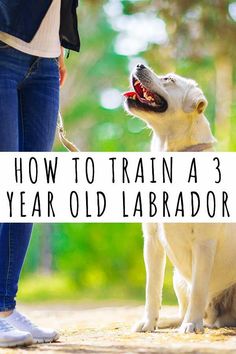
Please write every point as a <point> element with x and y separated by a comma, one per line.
<point>29,103</point>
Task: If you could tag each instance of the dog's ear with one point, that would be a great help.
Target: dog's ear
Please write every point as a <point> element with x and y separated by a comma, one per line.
<point>194,100</point>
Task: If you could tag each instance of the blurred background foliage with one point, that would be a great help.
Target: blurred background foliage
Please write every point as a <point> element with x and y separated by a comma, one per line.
<point>193,38</point>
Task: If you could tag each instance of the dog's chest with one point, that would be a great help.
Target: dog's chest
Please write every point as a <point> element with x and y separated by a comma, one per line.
<point>177,240</point>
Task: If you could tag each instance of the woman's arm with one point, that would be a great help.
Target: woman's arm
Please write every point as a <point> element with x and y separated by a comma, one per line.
<point>62,68</point>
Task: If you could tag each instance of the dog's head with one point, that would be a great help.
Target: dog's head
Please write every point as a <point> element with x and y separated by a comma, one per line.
<point>156,98</point>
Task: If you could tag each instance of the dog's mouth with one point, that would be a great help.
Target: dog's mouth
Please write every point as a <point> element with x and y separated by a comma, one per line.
<point>145,99</point>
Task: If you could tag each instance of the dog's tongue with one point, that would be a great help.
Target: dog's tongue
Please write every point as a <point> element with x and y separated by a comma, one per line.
<point>129,94</point>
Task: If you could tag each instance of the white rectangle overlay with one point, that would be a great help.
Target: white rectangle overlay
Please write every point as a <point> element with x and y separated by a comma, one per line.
<point>118,187</point>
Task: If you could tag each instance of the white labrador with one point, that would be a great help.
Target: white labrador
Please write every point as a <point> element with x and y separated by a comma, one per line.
<point>204,255</point>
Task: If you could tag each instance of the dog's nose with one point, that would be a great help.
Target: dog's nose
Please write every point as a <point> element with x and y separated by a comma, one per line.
<point>140,66</point>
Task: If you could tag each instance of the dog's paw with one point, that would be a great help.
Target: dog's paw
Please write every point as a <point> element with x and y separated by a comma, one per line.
<point>145,326</point>
<point>191,327</point>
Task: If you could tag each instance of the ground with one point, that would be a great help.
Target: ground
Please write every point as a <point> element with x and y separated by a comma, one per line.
<point>106,329</point>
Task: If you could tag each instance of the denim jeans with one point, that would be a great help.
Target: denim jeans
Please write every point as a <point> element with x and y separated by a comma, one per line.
<point>29,102</point>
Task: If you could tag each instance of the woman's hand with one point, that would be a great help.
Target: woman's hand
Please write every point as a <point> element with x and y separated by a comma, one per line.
<point>62,68</point>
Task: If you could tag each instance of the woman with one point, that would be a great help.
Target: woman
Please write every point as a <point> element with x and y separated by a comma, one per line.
<point>31,71</point>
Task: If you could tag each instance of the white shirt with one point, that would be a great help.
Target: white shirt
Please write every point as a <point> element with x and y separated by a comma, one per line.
<point>46,42</point>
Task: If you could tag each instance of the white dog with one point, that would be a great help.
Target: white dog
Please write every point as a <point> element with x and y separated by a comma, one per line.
<point>204,255</point>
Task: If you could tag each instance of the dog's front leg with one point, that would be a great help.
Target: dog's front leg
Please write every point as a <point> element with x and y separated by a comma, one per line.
<point>203,253</point>
<point>154,257</point>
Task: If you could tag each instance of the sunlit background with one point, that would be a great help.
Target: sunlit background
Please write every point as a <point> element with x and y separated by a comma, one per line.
<point>75,262</point>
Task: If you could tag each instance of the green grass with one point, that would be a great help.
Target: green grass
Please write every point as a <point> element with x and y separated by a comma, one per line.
<point>58,287</point>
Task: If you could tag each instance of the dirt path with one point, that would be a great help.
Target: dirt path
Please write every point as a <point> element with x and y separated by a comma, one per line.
<point>107,329</point>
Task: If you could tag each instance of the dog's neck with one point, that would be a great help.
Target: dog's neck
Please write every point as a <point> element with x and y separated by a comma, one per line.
<point>193,135</point>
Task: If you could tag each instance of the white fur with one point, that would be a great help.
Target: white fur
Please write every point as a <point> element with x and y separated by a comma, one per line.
<point>204,255</point>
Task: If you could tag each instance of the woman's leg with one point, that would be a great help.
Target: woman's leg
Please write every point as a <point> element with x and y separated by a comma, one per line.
<point>9,129</point>
<point>39,105</point>
<point>38,94</point>
<point>12,248</point>
<point>39,101</point>
<point>14,240</point>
